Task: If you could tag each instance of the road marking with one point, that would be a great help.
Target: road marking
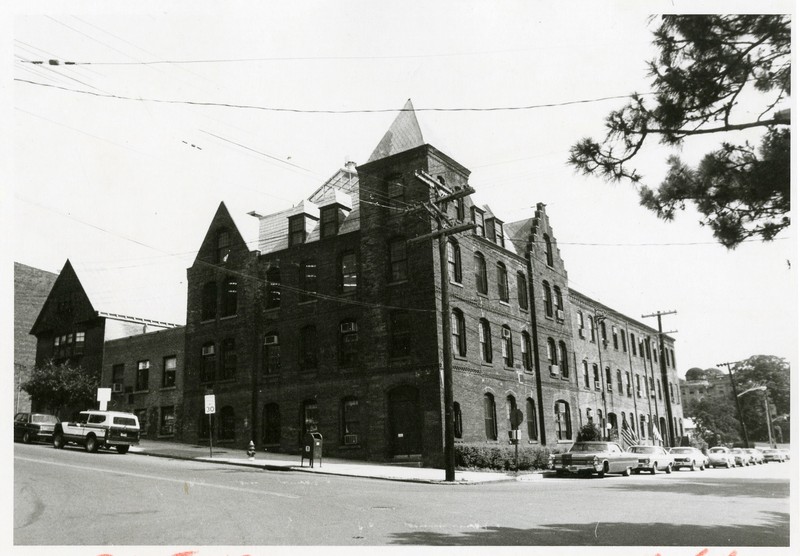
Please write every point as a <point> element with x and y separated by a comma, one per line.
<point>186,484</point>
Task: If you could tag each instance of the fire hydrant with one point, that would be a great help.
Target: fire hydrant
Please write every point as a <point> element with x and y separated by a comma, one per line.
<point>251,451</point>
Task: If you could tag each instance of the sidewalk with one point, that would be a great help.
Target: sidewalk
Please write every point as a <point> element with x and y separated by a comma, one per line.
<point>285,462</point>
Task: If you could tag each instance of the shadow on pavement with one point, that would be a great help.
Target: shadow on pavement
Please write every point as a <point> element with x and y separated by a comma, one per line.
<point>755,488</point>
<point>773,533</point>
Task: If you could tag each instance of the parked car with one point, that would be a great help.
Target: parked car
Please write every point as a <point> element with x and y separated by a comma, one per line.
<point>34,426</point>
<point>652,459</point>
<point>594,457</point>
<point>742,457</point>
<point>786,453</point>
<point>771,454</point>
<point>99,429</point>
<point>685,456</point>
<point>720,456</point>
<point>757,455</point>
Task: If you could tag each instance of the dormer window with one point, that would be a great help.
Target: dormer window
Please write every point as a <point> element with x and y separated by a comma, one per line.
<point>297,229</point>
<point>477,219</point>
<point>223,246</point>
<point>499,236</point>
<point>329,225</point>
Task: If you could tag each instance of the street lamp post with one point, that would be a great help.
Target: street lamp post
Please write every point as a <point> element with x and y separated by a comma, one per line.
<point>766,410</point>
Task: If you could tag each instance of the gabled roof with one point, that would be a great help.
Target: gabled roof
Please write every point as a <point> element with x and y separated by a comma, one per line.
<point>404,134</point>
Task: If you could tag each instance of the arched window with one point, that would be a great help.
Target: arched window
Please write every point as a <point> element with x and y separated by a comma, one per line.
<point>458,333</point>
<point>308,281</point>
<point>603,333</point>
<point>642,427</point>
<point>552,354</point>
<point>502,282</point>
<point>507,346</point>
<point>310,417</point>
<point>230,297</point>
<point>525,351</point>
<point>624,343</point>
<point>398,260</point>
<point>348,343</point>
<point>581,326</point>
<point>522,291</point>
<point>658,389</point>
<point>558,302</point>
<point>511,407</point>
<point>608,379</point>
<point>563,360</point>
<point>454,261</point>
<point>485,340</point>
<point>489,417</point>
<point>228,363</point>
<point>208,362</point>
<point>586,382</point>
<point>348,273</point>
<point>273,292</point>
<point>548,299</point>
<point>596,376</point>
<point>227,423</point>
<point>633,345</point>
<point>592,333</point>
<point>351,420</point>
<point>308,348</point>
<point>530,410</point>
<point>209,301</point>
<point>548,250</point>
<point>563,420</point>
<point>458,426</point>
<point>271,361</point>
<point>271,419</point>
<point>481,282</point>
<point>619,379</point>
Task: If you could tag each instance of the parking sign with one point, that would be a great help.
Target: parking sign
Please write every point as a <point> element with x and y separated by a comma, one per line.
<point>211,404</point>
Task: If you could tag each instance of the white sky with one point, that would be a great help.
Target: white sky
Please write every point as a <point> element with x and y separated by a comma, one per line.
<point>116,183</point>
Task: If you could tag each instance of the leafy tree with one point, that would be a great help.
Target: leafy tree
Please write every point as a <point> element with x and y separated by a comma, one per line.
<point>706,65</point>
<point>589,431</point>
<point>774,373</point>
<point>714,419</point>
<point>59,386</point>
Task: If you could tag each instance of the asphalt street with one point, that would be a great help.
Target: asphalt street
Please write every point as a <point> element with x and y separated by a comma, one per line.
<point>71,497</point>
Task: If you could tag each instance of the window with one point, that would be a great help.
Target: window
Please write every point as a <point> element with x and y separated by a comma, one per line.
<point>166,424</point>
<point>603,334</point>
<point>624,343</point>
<point>563,359</point>
<point>633,345</point>
<point>596,376</point>
<point>351,417</point>
<point>581,332</point>
<point>507,346</point>
<point>558,302</point>
<point>143,375</point>
<point>297,229</point>
<point>592,333</point>
<point>230,297</point>
<point>489,417</point>
<point>563,421</point>
<point>511,407</point>
<point>271,417</point>
<point>141,415</point>
<point>530,411</point>
<point>589,416</point>
<point>400,327</point>
<point>398,264</point>
<point>458,333</point>
<point>614,337</point>
<point>548,250</point>
<point>671,393</point>
<point>170,368</point>
<point>628,383</point>
<point>499,237</point>
<point>227,369</point>
<point>460,209</point>
<point>552,354</point>
<point>642,427</point>
<point>454,261</point>
<point>223,246</point>
<point>273,294</point>
<point>477,219</point>
<point>80,342</point>
<point>227,423</point>
<point>525,351</point>
<point>522,291</point>
<point>502,282</point>
<point>209,301</point>
<point>208,362</point>
<point>481,282</point>
<point>458,426</point>
<point>586,374</point>
<point>348,272</point>
<point>308,348</point>
<point>310,416</point>
<point>118,374</point>
<point>619,380</point>
<point>329,221</point>
<point>485,340</point>
<point>658,389</point>
<point>638,386</point>
<point>548,299</point>
<point>396,193</point>
<point>271,361</point>
<point>489,222</point>
<point>348,343</point>
<point>608,377</point>
<point>308,281</point>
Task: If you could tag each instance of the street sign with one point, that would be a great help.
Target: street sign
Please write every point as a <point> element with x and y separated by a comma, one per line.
<point>104,394</point>
<point>516,418</point>
<point>211,404</point>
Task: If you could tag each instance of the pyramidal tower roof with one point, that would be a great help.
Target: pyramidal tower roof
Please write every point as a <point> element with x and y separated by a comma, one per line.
<point>404,134</point>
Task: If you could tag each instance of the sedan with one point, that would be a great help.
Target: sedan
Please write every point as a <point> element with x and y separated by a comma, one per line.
<point>652,459</point>
<point>34,426</point>
<point>742,457</point>
<point>720,456</point>
<point>773,455</point>
<point>688,457</point>
<point>593,457</point>
<point>757,456</point>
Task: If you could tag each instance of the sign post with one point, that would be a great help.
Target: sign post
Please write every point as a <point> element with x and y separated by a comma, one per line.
<point>516,419</point>
<point>103,396</point>
<point>211,408</point>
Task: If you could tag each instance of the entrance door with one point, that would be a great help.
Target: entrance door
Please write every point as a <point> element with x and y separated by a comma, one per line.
<point>404,425</point>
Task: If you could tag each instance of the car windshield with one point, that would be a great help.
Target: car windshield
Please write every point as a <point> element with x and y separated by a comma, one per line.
<point>717,450</point>
<point>41,418</point>
<point>589,447</point>
<point>681,450</point>
<point>643,449</point>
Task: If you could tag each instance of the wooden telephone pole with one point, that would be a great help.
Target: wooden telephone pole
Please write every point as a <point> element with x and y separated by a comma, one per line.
<point>664,376</point>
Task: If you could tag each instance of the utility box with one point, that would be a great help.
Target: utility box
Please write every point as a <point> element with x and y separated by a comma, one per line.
<point>312,448</point>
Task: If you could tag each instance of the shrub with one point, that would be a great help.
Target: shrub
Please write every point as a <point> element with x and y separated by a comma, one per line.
<point>500,457</point>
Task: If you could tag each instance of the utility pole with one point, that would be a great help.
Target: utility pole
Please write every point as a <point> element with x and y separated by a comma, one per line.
<point>736,397</point>
<point>437,208</point>
<point>664,376</point>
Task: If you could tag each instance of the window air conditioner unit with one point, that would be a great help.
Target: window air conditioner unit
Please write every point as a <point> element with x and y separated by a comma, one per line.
<point>597,385</point>
<point>506,333</point>
<point>581,333</point>
<point>652,393</point>
<point>609,387</point>
<point>271,340</point>
<point>207,350</point>
<point>628,389</point>
<point>350,439</point>
<point>638,393</point>
<point>554,370</point>
<point>350,338</point>
<point>560,314</point>
<point>116,387</point>
<point>346,327</point>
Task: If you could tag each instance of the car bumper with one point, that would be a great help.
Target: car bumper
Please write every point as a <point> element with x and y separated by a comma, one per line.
<point>577,468</point>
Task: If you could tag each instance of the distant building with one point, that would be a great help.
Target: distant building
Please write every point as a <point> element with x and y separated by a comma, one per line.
<point>700,384</point>
<point>31,287</point>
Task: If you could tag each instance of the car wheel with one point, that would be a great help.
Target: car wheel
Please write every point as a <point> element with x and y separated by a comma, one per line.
<point>58,441</point>
<point>692,467</point>
<point>602,472</point>
<point>653,469</point>
<point>26,438</point>
<point>627,472</point>
<point>669,468</point>
<point>702,467</point>
<point>123,449</point>
<point>91,444</point>
<point>727,465</point>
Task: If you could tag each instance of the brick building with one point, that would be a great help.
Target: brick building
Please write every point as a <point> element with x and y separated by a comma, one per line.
<point>328,319</point>
<point>31,287</point>
<point>700,384</point>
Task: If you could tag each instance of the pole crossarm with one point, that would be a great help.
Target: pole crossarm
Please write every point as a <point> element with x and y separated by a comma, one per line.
<point>660,313</point>
<point>443,233</point>
<point>458,194</point>
<point>431,182</point>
